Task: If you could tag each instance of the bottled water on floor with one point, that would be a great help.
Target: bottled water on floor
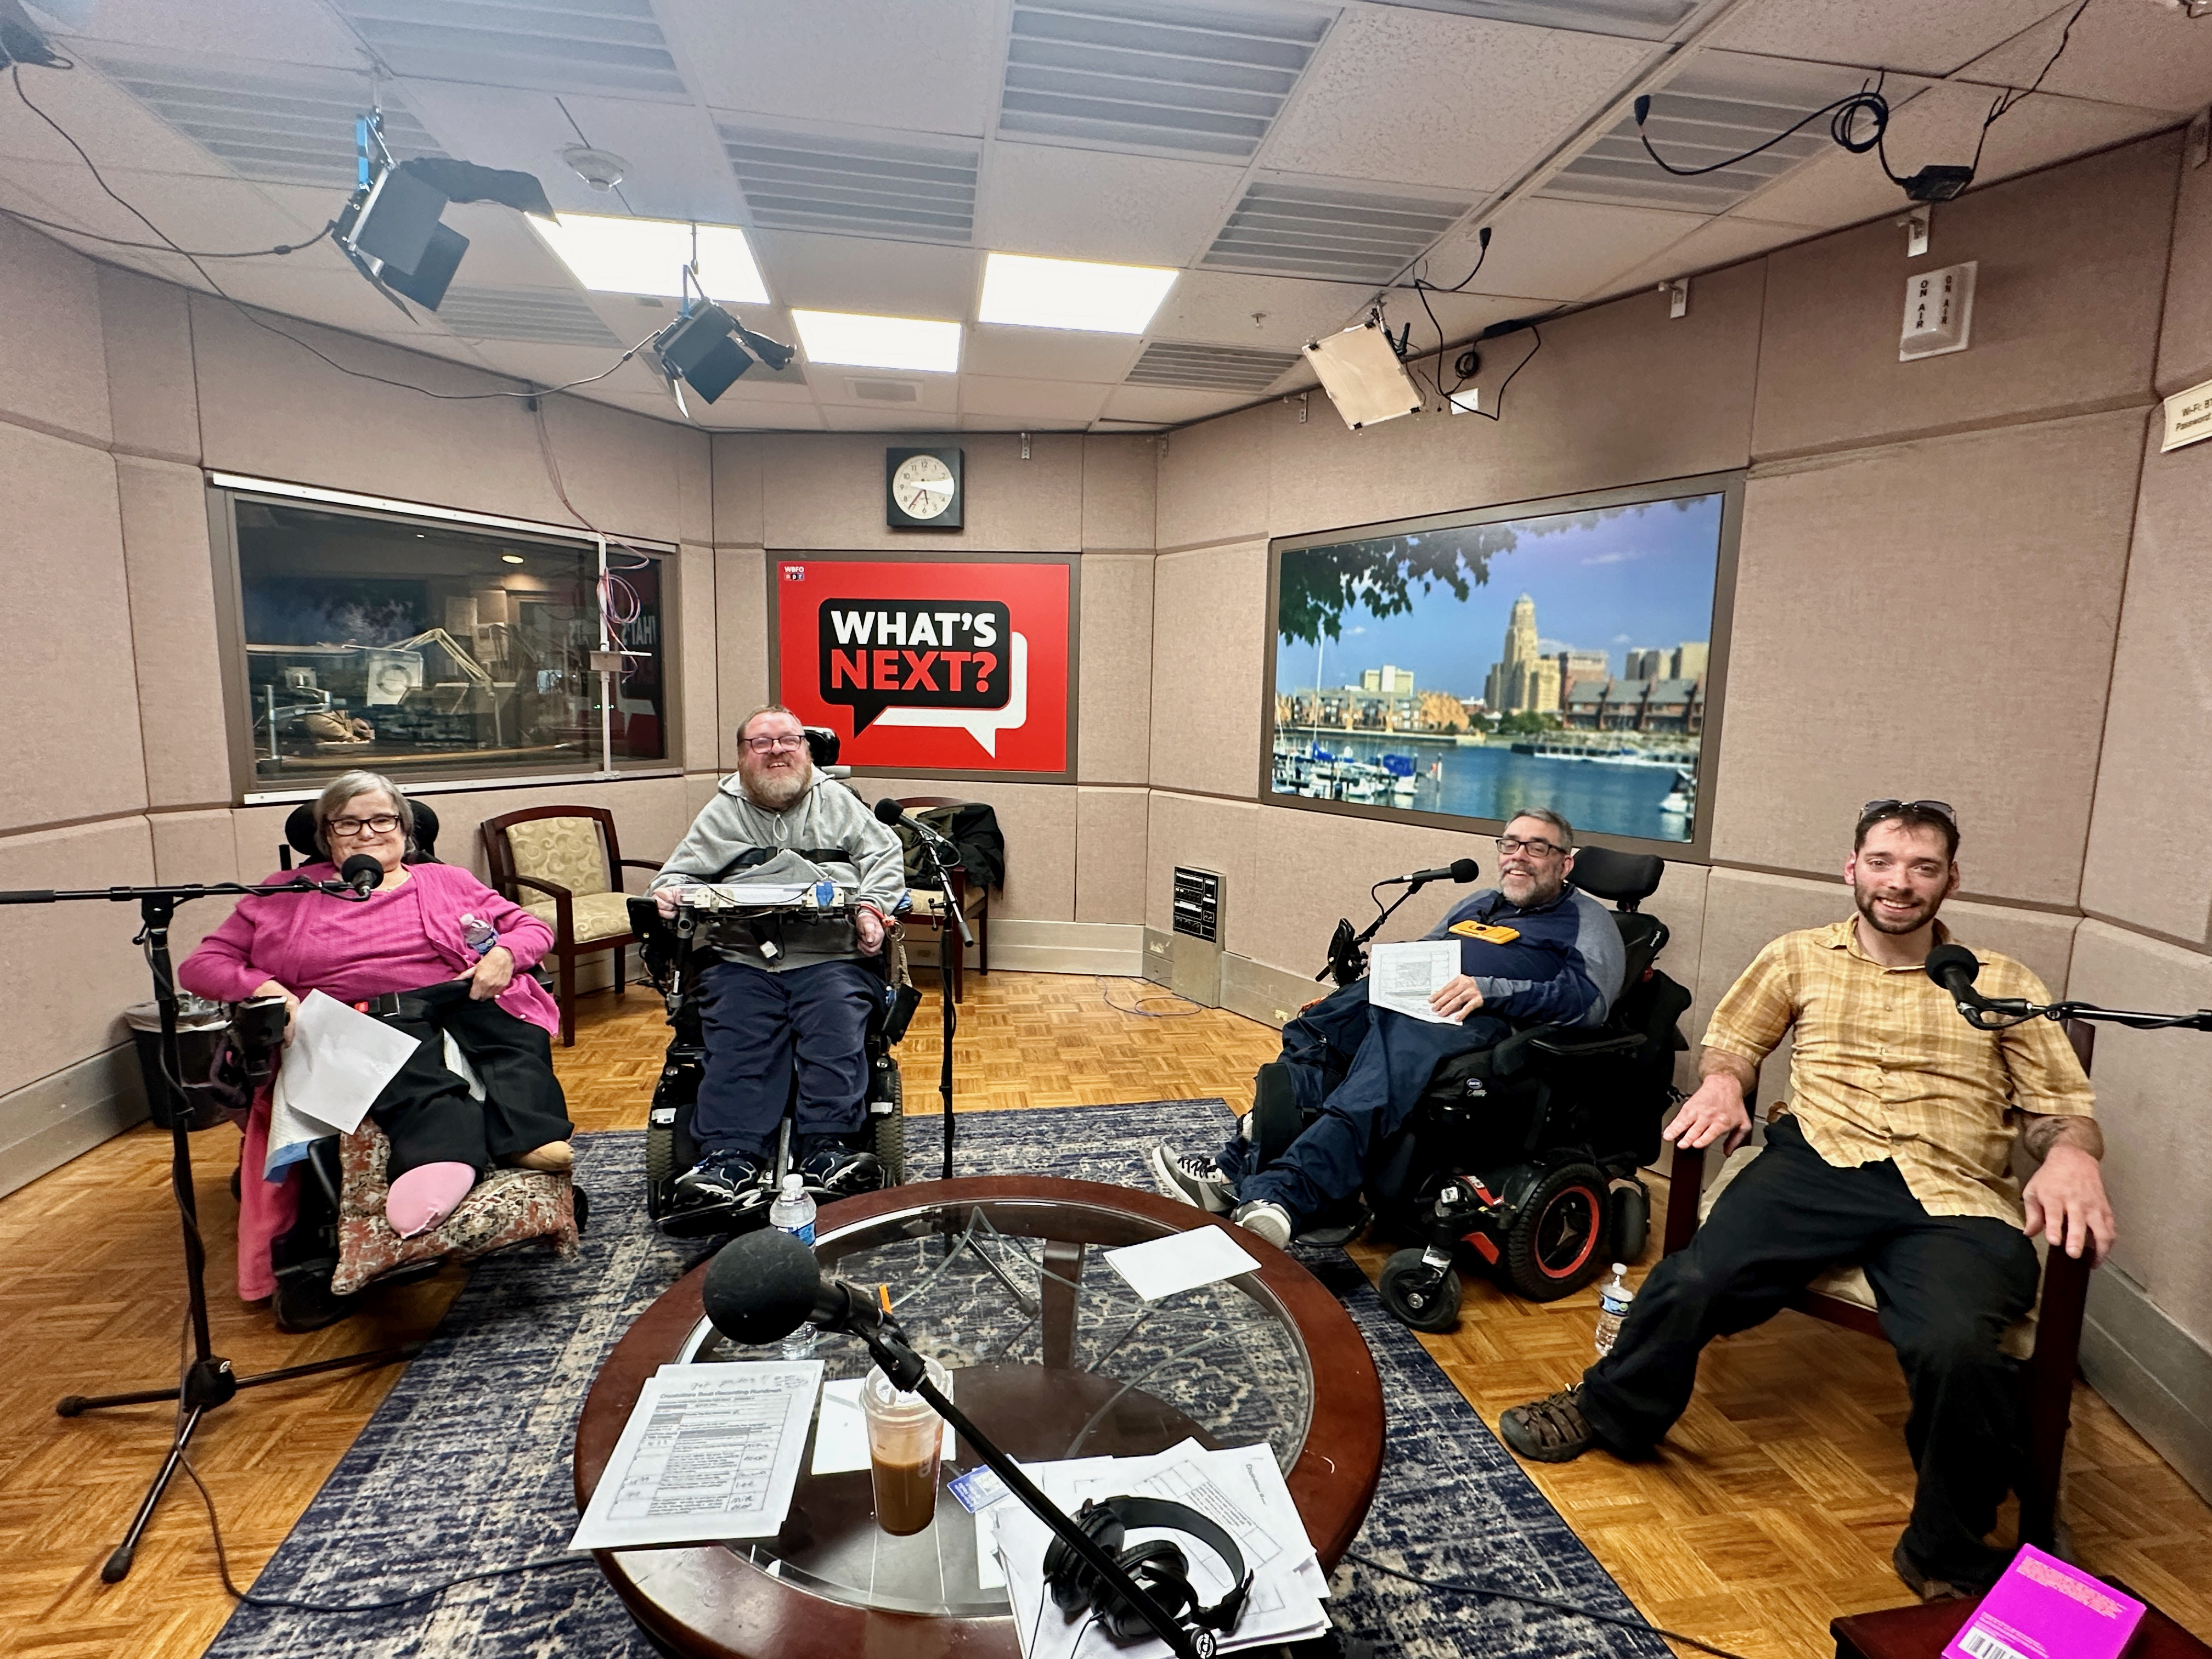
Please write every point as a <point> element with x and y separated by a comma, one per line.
<point>1613,1300</point>
<point>793,1213</point>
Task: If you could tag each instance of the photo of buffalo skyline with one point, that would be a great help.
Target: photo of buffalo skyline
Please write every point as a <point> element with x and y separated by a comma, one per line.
<point>1560,660</point>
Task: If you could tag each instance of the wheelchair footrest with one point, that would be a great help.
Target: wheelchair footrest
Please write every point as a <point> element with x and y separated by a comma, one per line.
<point>740,1215</point>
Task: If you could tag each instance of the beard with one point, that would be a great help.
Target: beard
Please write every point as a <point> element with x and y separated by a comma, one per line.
<point>775,791</point>
<point>1921,917</point>
<point>1527,889</point>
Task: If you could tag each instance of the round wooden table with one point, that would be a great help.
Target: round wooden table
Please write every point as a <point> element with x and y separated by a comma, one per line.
<point>718,1602</point>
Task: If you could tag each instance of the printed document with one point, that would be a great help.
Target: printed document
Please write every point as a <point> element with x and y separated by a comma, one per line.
<point>338,1062</point>
<point>1180,1261</point>
<point>710,1452</point>
<point>1404,976</point>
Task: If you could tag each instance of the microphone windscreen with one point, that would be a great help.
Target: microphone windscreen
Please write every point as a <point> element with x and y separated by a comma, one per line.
<point>888,810</point>
<point>1945,957</point>
<point>359,865</point>
<point>762,1288</point>
<point>1464,869</point>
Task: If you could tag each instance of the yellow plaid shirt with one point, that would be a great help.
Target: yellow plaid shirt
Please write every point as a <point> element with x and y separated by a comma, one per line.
<point>1882,1066</point>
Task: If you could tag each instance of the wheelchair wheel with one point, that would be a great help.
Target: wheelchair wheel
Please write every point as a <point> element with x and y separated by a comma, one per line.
<point>1415,1296</point>
<point>1557,1243</point>
<point>887,1130</point>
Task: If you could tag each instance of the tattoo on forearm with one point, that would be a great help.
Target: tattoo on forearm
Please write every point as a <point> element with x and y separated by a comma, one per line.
<point>2042,1134</point>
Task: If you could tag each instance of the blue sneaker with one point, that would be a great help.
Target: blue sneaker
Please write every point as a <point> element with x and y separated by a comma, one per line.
<point>837,1170</point>
<point>717,1178</point>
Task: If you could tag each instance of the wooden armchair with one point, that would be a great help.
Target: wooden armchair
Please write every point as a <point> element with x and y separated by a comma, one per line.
<point>975,904</point>
<point>2049,1340</point>
<point>572,857</point>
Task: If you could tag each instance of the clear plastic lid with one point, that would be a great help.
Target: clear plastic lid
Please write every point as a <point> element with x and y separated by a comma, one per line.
<point>794,1185</point>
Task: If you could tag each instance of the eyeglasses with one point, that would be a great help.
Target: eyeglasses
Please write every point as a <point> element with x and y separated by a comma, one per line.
<point>1942,809</point>
<point>1509,845</point>
<point>382,824</point>
<point>770,746</point>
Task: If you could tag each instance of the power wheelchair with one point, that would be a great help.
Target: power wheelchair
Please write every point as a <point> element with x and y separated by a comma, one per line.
<point>675,953</point>
<point>1521,1159</point>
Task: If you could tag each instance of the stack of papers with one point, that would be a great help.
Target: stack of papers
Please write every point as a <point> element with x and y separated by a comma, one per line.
<point>1240,1488</point>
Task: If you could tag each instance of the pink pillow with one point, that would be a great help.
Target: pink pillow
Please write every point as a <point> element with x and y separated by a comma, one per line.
<point>508,1207</point>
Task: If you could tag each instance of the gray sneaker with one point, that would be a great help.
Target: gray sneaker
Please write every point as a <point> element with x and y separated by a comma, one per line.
<point>1264,1220</point>
<point>1190,1178</point>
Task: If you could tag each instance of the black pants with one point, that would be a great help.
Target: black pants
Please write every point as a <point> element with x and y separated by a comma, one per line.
<point>428,1113</point>
<point>1945,1288</point>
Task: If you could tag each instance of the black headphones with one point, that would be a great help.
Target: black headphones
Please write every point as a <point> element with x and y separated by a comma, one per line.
<point>1158,1568</point>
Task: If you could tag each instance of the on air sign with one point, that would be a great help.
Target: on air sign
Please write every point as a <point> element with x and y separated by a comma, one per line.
<point>920,663</point>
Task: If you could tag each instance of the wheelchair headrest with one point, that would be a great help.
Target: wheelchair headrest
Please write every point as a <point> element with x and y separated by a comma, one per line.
<point>299,831</point>
<point>1627,878</point>
<point>821,745</point>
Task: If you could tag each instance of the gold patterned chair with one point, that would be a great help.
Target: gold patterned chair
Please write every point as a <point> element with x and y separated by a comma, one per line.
<point>564,865</point>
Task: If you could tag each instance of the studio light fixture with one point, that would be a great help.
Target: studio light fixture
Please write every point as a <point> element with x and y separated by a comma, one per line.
<point>610,254</point>
<point>861,341</point>
<point>1360,371</point>
<point>1074,293</point>
<point>390,228</point>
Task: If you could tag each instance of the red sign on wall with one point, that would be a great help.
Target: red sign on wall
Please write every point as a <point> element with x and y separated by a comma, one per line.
<point>921,663</point>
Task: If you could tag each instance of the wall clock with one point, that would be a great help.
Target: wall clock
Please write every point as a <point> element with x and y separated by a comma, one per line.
<point>922,488</point>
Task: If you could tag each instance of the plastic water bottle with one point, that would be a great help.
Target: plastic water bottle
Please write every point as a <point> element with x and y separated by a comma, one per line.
<point>477,934</point>
<point>793,1213</point>
<point>1613,1300</point>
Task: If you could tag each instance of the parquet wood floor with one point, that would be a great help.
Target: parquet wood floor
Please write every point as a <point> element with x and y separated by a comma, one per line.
<point>1770,1511</point>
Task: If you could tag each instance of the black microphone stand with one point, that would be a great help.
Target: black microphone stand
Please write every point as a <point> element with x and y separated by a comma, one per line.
<point>907,1372</point>
<point>207,1381</point>
<point>1347,952</point>
<point>2001,1013</point>
<point>945,859</point>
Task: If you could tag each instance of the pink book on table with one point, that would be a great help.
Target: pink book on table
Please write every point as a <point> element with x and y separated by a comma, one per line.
<point>2042,1608</point>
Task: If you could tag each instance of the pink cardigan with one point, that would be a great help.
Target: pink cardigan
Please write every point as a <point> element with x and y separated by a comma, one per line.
<point>399,940</point>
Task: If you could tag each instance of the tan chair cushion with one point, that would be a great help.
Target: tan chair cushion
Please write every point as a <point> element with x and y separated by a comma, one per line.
<point>1849,1284</point>
<point>597,916</point>
<point>564,851</point>
<point>931,904</point>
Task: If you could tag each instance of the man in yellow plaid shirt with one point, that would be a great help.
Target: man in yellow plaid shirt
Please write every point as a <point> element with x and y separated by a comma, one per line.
<point>1891,1151</point>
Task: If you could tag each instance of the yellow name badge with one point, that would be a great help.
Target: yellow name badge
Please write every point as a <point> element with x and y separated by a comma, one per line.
<point>1488,933</point>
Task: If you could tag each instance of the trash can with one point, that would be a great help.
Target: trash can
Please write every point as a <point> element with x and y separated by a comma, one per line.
<point>200,1026</point>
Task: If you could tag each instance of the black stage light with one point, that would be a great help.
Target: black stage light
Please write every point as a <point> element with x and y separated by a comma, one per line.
<point>390,228</point>
<point>777,357</point>
<point>396,220</point>
<point>434,272</point>
<point>697,349</point>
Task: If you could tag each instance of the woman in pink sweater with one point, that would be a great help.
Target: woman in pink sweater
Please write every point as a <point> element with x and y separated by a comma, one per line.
<point>411,937</point>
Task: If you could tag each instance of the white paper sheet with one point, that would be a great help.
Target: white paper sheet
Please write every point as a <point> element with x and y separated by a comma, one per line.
<point>1404,976</point>
<point>338,1062</point>
<point>1180,1262</point>
<point>841,1430</point>
<point>709,1452</point>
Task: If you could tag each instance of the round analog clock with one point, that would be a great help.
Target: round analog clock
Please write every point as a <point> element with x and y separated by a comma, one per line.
<point>922,488</point>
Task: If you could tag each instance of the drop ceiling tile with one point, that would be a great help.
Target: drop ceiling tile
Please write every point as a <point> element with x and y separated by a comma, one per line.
<point>1197,368</point>
<point>1722,242</point>
<point>1220,307</point>
<point>924,65</point>
<point>1898,35</point>
<point>869,388</point>
<point>1169,403</point>
<point>2122,52</point>
<point>1424,98</point>
<point>1557,249</point>
<point>1053,354</point>
<point>857,273</point>
<point>810,176</point>
<point>1327,230</point>
<point>1043,400</point>
<point>283,31</point>
<point>607,47</point>
<point>1102,204</point>
<point>549,363</point>
<point>116,127</point>
<point>870,417</point>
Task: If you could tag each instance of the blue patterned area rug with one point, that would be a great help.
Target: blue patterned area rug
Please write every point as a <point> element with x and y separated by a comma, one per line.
<point>466,1465</point>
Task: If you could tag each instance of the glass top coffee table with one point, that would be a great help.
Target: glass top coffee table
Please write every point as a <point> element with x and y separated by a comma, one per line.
<point>1003,1281</point>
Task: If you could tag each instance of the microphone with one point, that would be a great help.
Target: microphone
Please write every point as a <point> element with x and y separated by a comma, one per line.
<point>889,811</point>
<point>1457,870</point>
<point>763,1286</point>
<point>1953,967</point>
<point>362,873</point>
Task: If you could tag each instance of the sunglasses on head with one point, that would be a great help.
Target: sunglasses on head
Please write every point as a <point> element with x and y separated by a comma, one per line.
<point>1942,809</point>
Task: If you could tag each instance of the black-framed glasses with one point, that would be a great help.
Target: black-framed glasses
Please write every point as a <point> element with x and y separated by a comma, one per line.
<point>1510,845</point>
<point>382,824</point>
<point>1942,809</point>
<point>770,746</point>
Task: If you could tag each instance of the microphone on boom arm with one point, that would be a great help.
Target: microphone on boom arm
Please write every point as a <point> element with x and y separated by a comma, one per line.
<point>1459,870</point>
<point>361,873</point>
<point>1953,967</point>
<point>764,1285</point>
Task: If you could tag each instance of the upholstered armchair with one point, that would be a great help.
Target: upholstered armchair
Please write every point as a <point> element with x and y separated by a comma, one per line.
<point>564,865</point>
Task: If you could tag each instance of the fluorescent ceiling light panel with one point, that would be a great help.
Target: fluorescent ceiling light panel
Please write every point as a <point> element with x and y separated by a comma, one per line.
<point>1032,293</point>
<point>619,255</point>
<point>857,342</point>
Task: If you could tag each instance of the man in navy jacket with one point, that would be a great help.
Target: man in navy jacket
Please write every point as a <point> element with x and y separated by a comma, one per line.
<point>1533,951</point>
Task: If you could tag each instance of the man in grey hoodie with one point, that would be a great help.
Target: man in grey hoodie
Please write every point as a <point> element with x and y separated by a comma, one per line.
<point>804,1005</point>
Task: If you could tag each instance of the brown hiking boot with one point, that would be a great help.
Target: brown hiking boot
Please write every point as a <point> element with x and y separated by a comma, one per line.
<point>1549,1431</point>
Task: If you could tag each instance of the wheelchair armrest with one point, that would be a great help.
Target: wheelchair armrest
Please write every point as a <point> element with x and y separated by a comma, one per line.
<point>1554,1040</point>
<point>1512,1054</point>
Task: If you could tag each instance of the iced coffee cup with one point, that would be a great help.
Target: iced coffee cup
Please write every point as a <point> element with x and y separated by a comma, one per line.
<point>905,1437</point>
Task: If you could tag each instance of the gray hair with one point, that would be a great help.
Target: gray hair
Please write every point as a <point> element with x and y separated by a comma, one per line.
<point>765,709</point>
<point>344,787</point>
<point>1545,815</point>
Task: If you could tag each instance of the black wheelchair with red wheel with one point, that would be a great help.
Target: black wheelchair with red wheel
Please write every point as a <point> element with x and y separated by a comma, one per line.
<point>1522,1160</point>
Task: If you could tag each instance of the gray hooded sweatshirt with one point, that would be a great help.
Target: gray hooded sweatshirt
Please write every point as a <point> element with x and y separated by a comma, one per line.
<point>827,818</point>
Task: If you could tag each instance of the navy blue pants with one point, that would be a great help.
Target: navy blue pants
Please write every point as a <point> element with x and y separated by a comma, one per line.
<point>758,1027</point>
<point>1944,1286</point>
<point>1363,1070</point>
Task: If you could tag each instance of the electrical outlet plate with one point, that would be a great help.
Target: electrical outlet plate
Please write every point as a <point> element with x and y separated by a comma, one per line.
<point>1939,312</point>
